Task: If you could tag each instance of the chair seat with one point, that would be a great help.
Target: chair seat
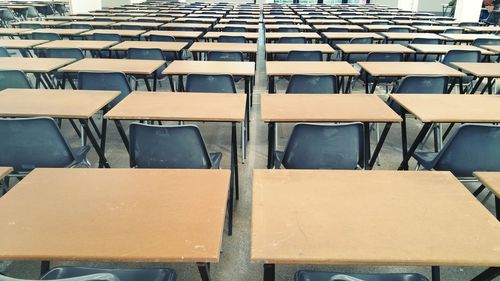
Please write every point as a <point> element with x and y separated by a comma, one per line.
<point>160,274</point>
<point>306,275</point>
<point>216,158</point>
<point>425,158</point>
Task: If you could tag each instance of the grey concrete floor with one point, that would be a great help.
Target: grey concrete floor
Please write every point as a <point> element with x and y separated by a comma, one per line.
<point>235,264</point>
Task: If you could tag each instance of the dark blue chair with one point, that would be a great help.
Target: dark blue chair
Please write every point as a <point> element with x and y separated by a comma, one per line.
<point>4,52</point>
<point>292,40</point>
<point>231,39</point>
<point>484,42</point>
<point>469,24</point>
<point>29,143</point>
<point>220,83</point>
<point>102,81</point>
<point>179,147</point>
<point>309,275</point>
<point>337,29</point>
<point>125,274</point>
<point>109,37</point>
<point>90,277</point>
<point>234,29</point>
<point>14,79</point>
<point>31,25</point>
<point>304,56</point>
<point>225,56</point>
<point>288,29</point>
<point>462,56</point>
<point>148,54</point>
<point>385,57</point>
<point>399,29</point>
<point>130,27</point>
<point>320,146</point>
<point>453,31</point>
<point>420,57</point>
<point>80,26</point>
<point>354,58</point>
<point>169,56</point>
<point>7,16</point>
<point>70,53</point>
<point>473,147</point>
<point>45,36</point>
<point>312,84</point>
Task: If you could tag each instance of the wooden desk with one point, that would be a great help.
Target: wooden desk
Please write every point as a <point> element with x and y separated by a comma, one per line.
<point>327,21</point>
<point>7,31</point>
<point>442,49</point>
<point>431,109</point>
<point>156,18</point>
<point>204,47</point>
<point>20,44</point>
<point>143,25</point>
<point>94,24</point>
<point>481,71</point>
<point>436,28</point>
<point>40,67</point>
<point>491,180</point>
<point>274,21</point>
<point>252,27</point>
<point>127,66</point>
<point>467,37</point>
<point>382,27</point>
<point>369,21</point>
<point>92,45</point>
<point>176,47</point>
<point>69,18</point>
<point>63,32</point>
<point>401,36</point>
<point>4,171</point>
<point>483,29</point>
<point>493,48</point>
<point>208,20</point>
<point>196,26</point>
<point>322,27</point>
<point>368,109</point>
<point>253,36</point>
<point>246,20</point>
<point>176,34</point>
<point>284,48</point>
<point>305,227</point>
<point>121,199</point>
<point>351,35</point>
<point>121,32</point>
<point>278,26</point>
<point>44,23</point>
<point>402,69</point>
<point>287,68</point>
<point>275,36</point>
<point>348,49</point>
<point>66,104</point>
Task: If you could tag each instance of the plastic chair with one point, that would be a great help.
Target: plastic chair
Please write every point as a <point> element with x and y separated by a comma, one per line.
<point>225,56</point>
<point>181,147</point>
<point>7,16</point>
<point>234,29</point>
<point>220,83</point>
<point>354,58</point>
<point>469,24</point>
<point>157,274</point>
<point>320,146</point>
<point>147,54</point>
<point>70,53</point>
<point>14,79</point>
<point>453,31</point>
<point>309,275</point>
<point>32,13</point>
<point>29,143</point>
<point>130,27</point>
<point>91,277</point>
<point>81,26</point>
<point>31,25</point>
<point>112,81</point>
<point>385,57</point>
<point>288,29</point>
<point>305,56</point>
<point>337,29</point>
<point>231,39</point>
<point>420,57</point>
<point>487,41</point>
<point>462,56</point>
<point>399,29</point>
<point>312,84</point>
<point>4,52</point>
<point>292,40</point>
<point>45,36</point>
<point>367,40</point>
<point>109,37</point>
<point>473,147</point>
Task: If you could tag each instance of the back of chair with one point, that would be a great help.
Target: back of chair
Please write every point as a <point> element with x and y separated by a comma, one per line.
<point>453,30</point>
<point>288,29</point>
<point>81,26</point>
<point>312,84</point>
<point>145,54</point>
<point>319,146</point>
<point>154,146</point>
<point>425,41</point>
<point>383,56</point>
<point>45,36</point>
<point>225,56</point>
<point>367,40</point>
<point>292,40</point>
<point>469,23</point>
<point>337,29</point>
<point>130,27</point>
<point>161,38</point>
<point>29,143</point>
<point>461,56</point>
<point>474,147</point>
<point>234,29</point>
<point>4,53</point>
<point>30,25</point>
<point>423,85</point>
<point>14,79</point>
<point>69,53</point>
<point>112,81</point>
<point>220,83</point>
<point>485,41</point>
<point>305,56</point>
<point>107,37</point>
<point>231,39</point>
<point>399,29</point>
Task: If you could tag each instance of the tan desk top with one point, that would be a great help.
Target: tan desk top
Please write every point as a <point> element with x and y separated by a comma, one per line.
<point>217,34</point>
<point>187,25</point>
<point>325,108</point>
<point>368,48</point>
<point>75,104</point>
<point>223,47</point>
<point>64,18</point>
<point>277,26</point>
<point>156,18</point>
<point>60,31</point>
<point>405,68</point>
<point>112,18</point>
<point>236,68</point>
<point>20,44</point>
<point>443,49</point>
<point>402,218</point>
<point>4,171</point>
<point>494,48</point>
<point>385,27</point>
<point>410,35</point>
<point>41,22</point>
<point>13,31</point>
<point>246,26</point>
<point>351,27</point>
<point>294,20</point>
<point>91,23</point>
<point>436,28</point>
<point>33,65</point>
<point>180,107</point>
<point>80,44</point>
<point>491,180</point>
<point>122,215</point>
<point>210,20</point>
<point>138,24</point>
<point>127,66</point>
<point>278,35</point>
<point>286,47</point>
<point>121,32</point>
<point>468,37</point>
<point>164,46</point>
<point>350,35</point>
<point>483,29</point>
<point>251,21</point>
<point>447,108</point>
<point>326,21</point>
<point>286,68</point>
<point>480,69</point>
<point>174,33</point>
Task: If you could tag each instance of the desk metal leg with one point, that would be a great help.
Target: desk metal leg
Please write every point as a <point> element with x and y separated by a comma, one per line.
<point>488,275</point>
<point>497,207</point>
<point>380,143</point>
<point>122,133</point>
<point>271,85</point>
<point>348,85</point>
<point>404,136</point>
<point>270,145</point>
<point>490,86</point>
<point>100,152</point>
<point>44,268</point>
<point>476,86</point>
<point>269,272</point>
<point>104,127</point>
<point>418,140</point>
<point>204,269</point>
<point>436,273</point>
<point>366,146</point>
<point>234,160</point>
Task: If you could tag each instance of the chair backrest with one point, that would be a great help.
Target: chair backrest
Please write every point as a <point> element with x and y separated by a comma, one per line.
<point>305,56</point>
<point>69,53</point>
<point>225,56</point>
<point>220,83</point>
<point>154,146</point>
<point>234,29</point>
<point>423,85</point>
<point>320,146</point>
<point>90,277</point>
<point>292,40</point>
<point>80,26</point>
<point>161,38</point>
<point>4,52</point>
<point>145,54</point>
<point>453,30</point>
<point>461,56</point>
<point>112,81</point>
<point>130,27</point>
<point>107,37</point>
<point>288,29</point>
<point>473,147</point>
<point>29,143</point>
<point>367,40</point>
<point>14,79</point>
<point>469,23</point>
<point>383,56</point>
<point>312,84</point>
<point>425,41</point>
<point>45,36</point>
<point>337,29</point>
<point>146,20</point>
<point>485,41</point>
<point>30,25</point>
<point>231,39</point>
<point>399,29</point>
